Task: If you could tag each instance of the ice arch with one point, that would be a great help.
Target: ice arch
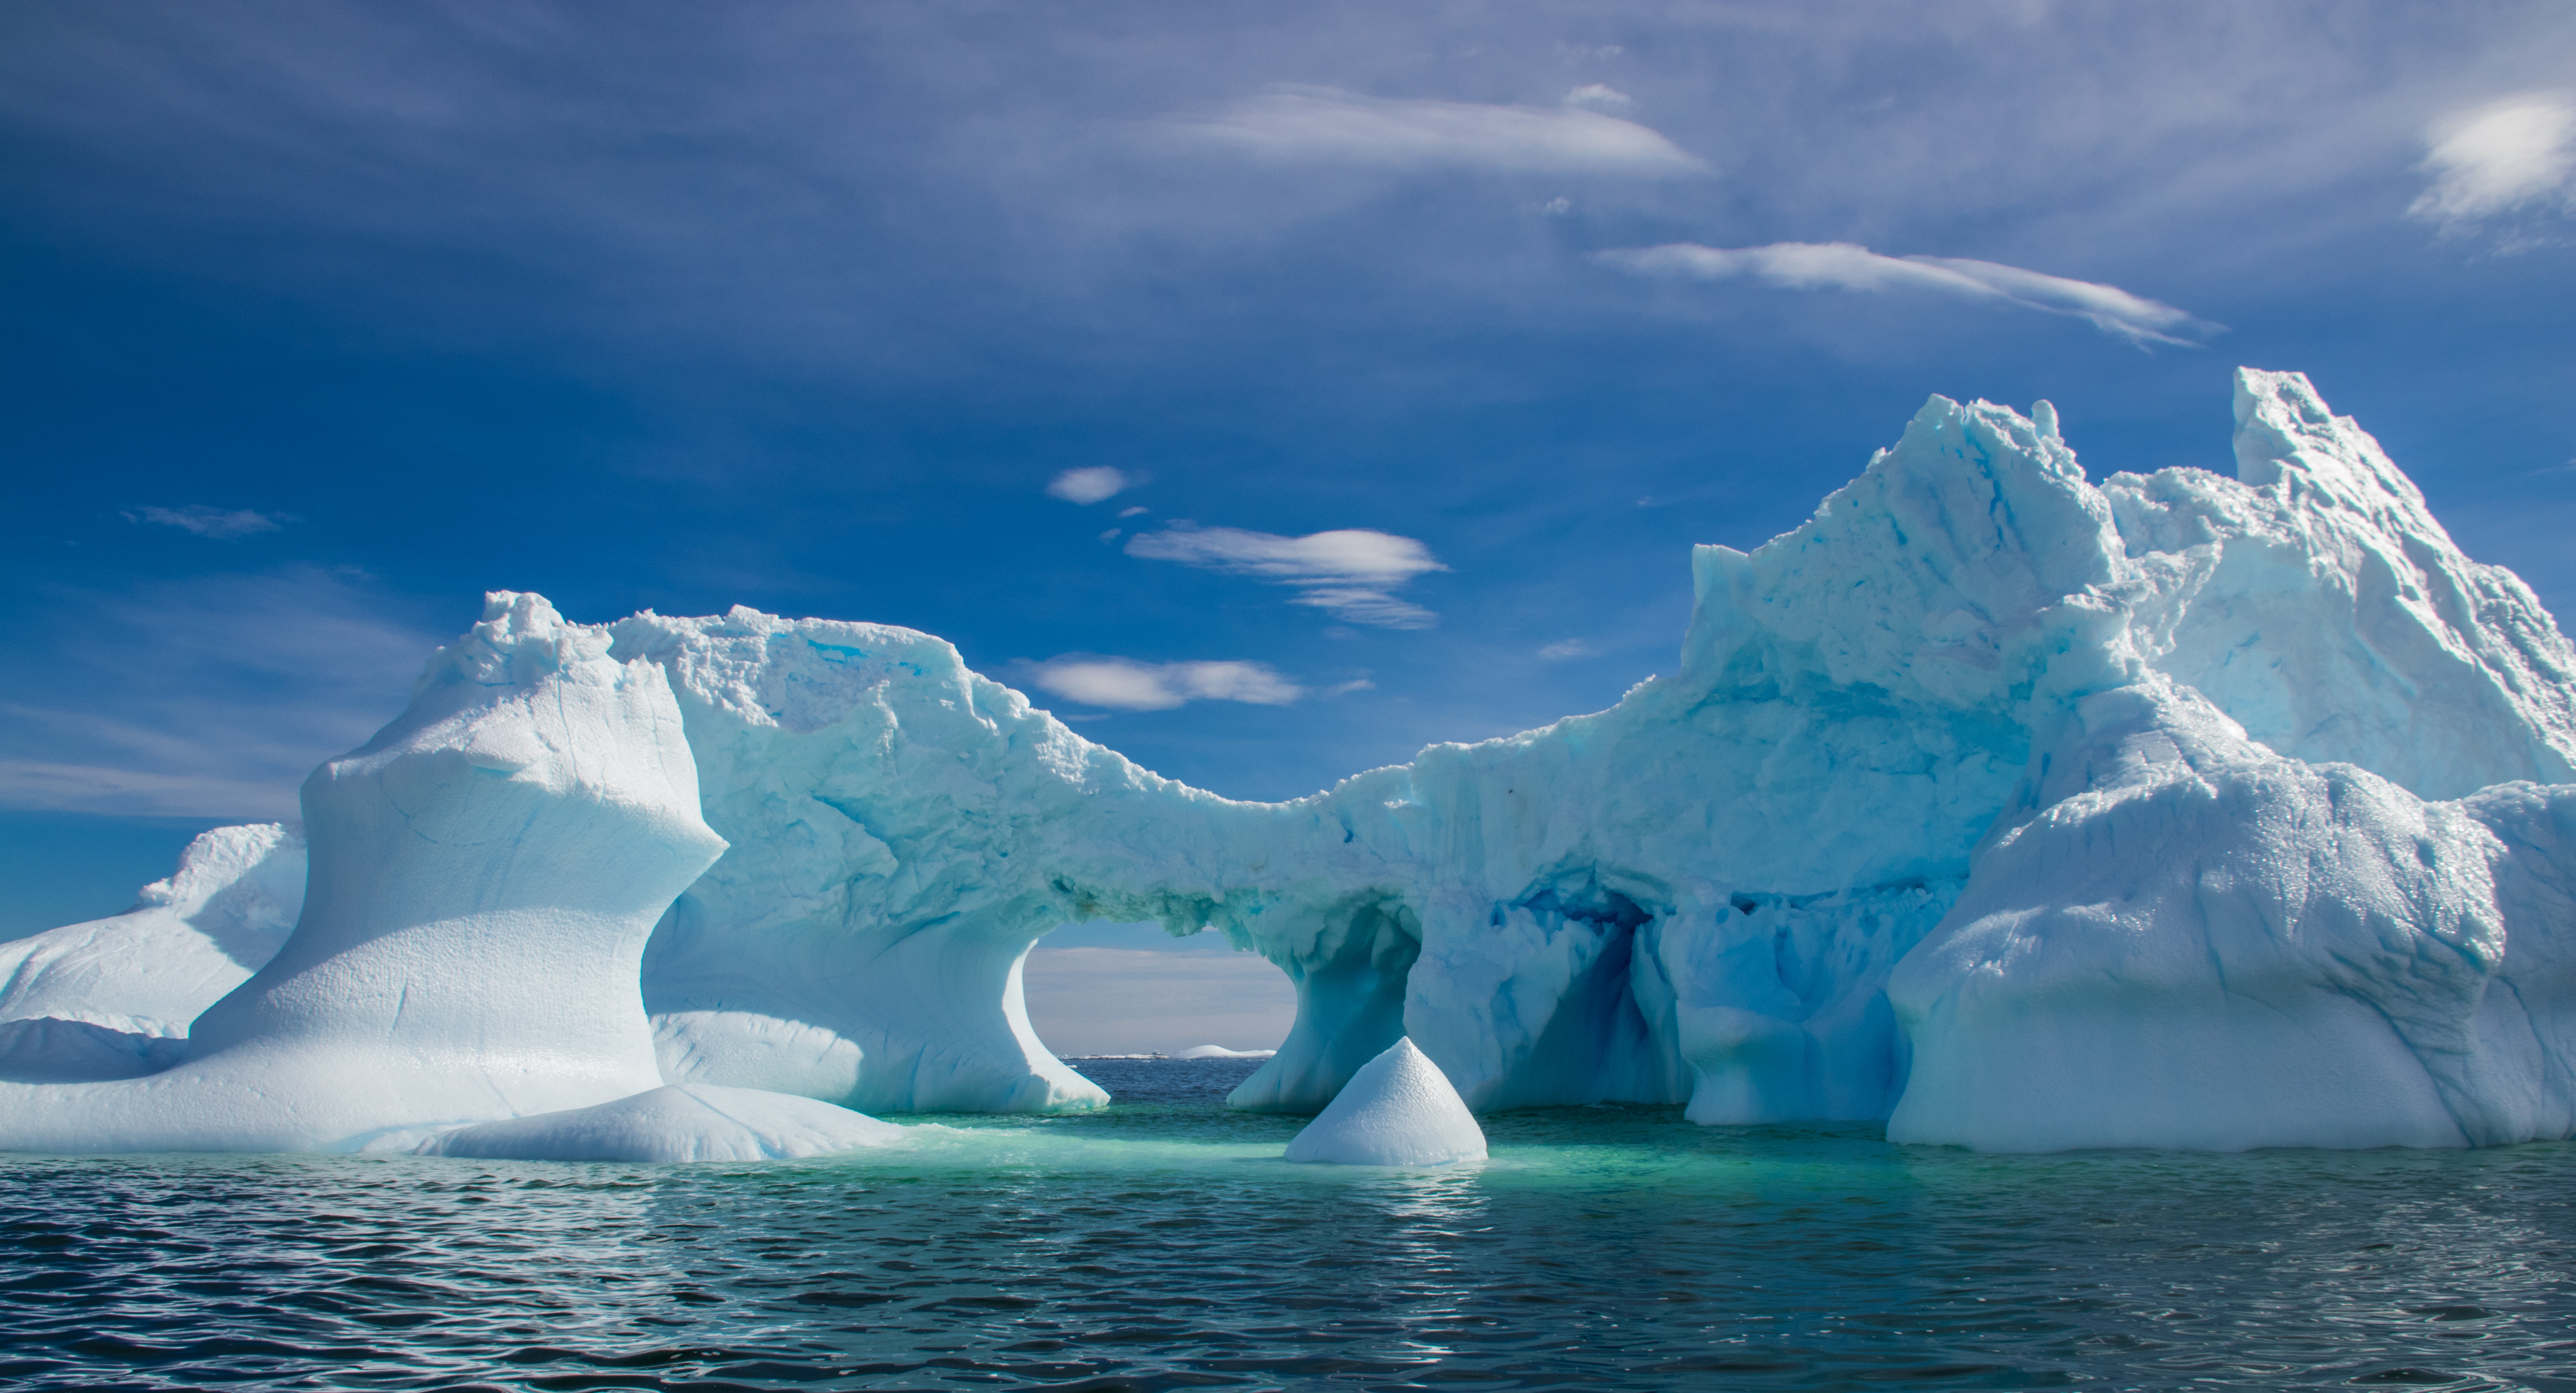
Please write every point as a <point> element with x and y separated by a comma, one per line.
<point>1705,893</point>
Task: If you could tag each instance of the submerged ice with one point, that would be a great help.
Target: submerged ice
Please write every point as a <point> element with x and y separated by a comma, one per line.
<point>2018,810</point>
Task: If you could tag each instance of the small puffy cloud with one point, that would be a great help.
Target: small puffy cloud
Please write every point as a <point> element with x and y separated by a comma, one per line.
<point>1137,511</point>
<point>1566,649</point>
<point>1847,266</point>
<point>1327,125</point>
<point>223,524</point>
<point>2516,156</point>
<point>1123,684</point>
<point>1351,573</point>
<point>1600,96</point>
<point>1088,486</point>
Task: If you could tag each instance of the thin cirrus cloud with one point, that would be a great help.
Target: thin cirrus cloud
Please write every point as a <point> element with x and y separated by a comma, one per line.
<point>223,524</point>
<point>252,680</point>
<point>1091,485</point>
<point>1124,684</point>
<point>1351,574</point>
<point>1329,126</point>
<point>2513,156</point>
<point>1848,266</point>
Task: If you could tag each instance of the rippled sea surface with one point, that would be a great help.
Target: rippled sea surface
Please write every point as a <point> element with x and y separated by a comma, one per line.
<point>1162,1245</point>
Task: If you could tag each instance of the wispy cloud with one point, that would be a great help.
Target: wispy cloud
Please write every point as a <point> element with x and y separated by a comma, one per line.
<point>1848,266</point>
<point>1566,649</point>
<point>211,696</point>
<point>1328,125</point>
<point>2516,156</point>
<point>1351,573</point>
<point>1124,684</point>
<point>224,524</point>
<point>1088,486</point>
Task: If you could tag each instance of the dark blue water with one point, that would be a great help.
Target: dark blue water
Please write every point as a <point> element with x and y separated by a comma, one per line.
<point>1159,1245</point>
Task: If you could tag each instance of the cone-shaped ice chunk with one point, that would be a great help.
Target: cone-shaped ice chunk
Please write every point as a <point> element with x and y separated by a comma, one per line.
<point>693,1122</point>
<point>1398,1110</point>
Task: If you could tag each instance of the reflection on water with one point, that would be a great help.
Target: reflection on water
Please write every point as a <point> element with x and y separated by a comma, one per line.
<point>1161,1245</point>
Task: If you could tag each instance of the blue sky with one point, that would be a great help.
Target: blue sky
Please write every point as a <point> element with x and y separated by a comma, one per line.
<point>1426,339</point>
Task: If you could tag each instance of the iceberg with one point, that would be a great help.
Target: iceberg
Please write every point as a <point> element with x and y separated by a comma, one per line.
<point>2010,808</point>
<point>1398,1110</point>
<point>113,998</point>
<point>482,878</point>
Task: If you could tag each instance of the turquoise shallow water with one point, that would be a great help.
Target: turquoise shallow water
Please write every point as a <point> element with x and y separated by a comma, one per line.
<point>1160,1245</point>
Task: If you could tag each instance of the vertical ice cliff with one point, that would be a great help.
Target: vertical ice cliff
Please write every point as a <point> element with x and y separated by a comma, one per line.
<point>2019,811</point>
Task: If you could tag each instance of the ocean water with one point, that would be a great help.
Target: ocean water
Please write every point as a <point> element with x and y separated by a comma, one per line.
<point>1161,1245</point>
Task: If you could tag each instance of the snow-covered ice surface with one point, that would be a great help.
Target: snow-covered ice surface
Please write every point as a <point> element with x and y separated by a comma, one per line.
<point>112,998</point>
<point>1398,1110</point>
<point>2020,811</point>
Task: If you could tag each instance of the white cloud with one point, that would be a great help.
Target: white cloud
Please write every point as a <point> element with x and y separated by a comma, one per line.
<point>1847,266</point>
<point>1566,648</point>
<point>1350,573</point>
<point>1088,486</point>
<point>1332,126</point>
<point>1137,511</point>
<point>1123,684</point>
<point>1600,96</point>
<point>223,524</point>
<point>2513,156</point>
<point>1360,604</point>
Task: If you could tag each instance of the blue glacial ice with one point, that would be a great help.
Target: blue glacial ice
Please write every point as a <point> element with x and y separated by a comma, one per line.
<point>2019,811</point>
